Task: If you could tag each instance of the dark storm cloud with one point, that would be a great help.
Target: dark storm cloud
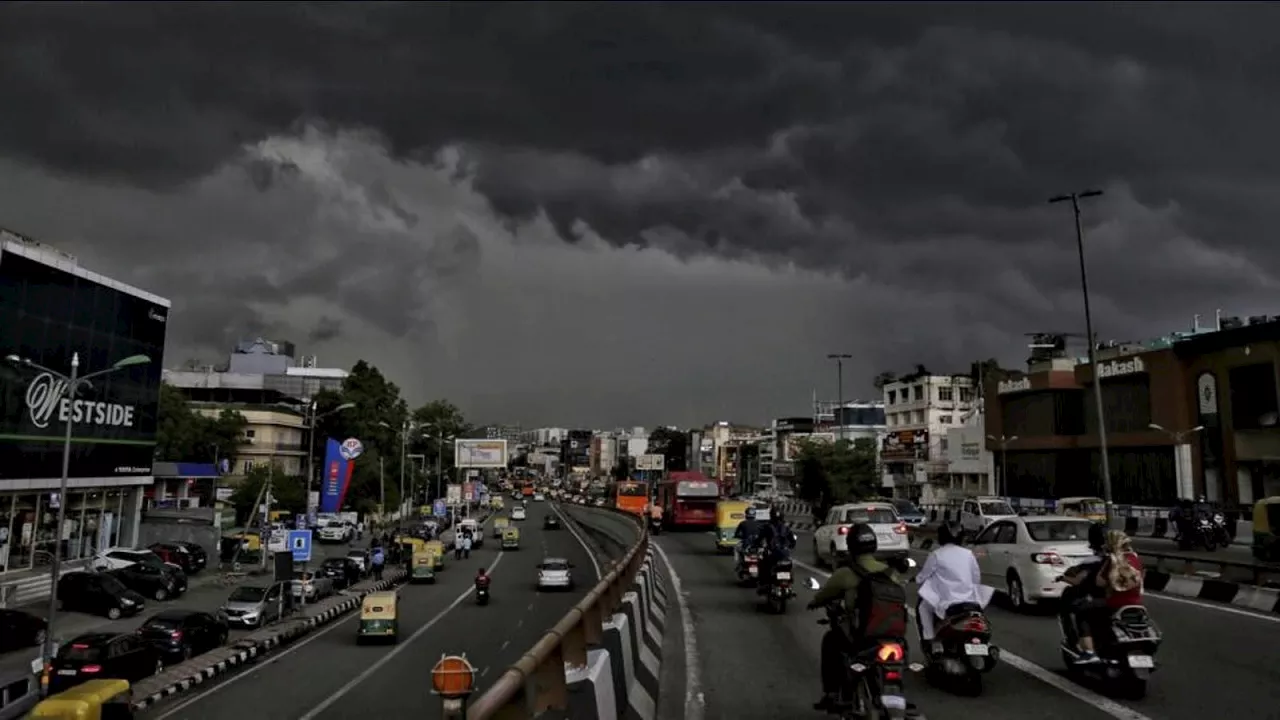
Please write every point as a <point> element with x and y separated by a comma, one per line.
<point>902,151</point>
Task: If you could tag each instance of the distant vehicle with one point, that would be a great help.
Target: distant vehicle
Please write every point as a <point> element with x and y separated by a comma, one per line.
<point>555,573</point>
<point>539,497</point>
<point>310,586</point>
<point>175,554</point>
<point>254,605</point>
<point>179,635</point>
<point>551,522</point>
<point>335,531</point>
<point>477,532</point>
<point>336,570</point>
<point>689,500</point>
<point>978,512</point>
<point>99,594</point>
<point>98,656</point>
<point>910,514</point>
<point>631,497</point>
<point>20,629</point>
<point>831,539</point>
<point>155,582</point>
<point>517,513</point>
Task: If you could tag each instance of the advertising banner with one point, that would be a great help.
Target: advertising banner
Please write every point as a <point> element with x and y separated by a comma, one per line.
<point>48,313</point>
<point>453,495</point>
<point>905,445</point>
<point>480,453</point>
<point>337,476</point>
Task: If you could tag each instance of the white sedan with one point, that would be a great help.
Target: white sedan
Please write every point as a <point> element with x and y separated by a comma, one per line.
<point>517,513</point>
<point>1025,555</point>
<point>555,573</point>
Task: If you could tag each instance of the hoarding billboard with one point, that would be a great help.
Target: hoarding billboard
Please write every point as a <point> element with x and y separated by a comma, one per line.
<point>905,445</point>
<point>339,462</point>
<point>472,453</point>
<point>651,462</point>
<point>47,313</point>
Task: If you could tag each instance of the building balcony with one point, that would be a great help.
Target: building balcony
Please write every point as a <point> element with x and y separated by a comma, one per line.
<point>271,448</point>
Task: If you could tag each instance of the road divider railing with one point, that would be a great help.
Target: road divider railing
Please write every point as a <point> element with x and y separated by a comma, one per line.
<point>603,658</point>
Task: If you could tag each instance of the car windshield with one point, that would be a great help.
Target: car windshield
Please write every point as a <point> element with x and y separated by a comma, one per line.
<point>997,507</point>
<point>248,594</point>
<point>165,624</point>
<point>554,566</point>
<point>906,507</point>
<point>1058,530</point>
<point>112,585</point>
<point>872,516</point>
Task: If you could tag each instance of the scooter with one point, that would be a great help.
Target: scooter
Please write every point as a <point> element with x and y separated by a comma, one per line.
<point>962,651</point>
<point>1126,654</point>
<point>749,568</point>
<point>482,592</point>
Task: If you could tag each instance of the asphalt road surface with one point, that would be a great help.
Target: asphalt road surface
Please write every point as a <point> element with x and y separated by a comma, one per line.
<point>204,593</point>
<point>326,675</point>
<point>1216,661</point>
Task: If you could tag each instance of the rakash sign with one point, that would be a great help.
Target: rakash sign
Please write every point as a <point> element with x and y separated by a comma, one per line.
<point>1121,367</point>
<point>47,393</point>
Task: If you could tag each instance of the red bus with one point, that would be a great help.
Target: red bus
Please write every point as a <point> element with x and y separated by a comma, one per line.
<point>688,500</point>
<point>630,496</point>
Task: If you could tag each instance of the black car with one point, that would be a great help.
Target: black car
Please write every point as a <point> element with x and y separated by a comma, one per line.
<point>99,594</point>
<point>95,656</point>
<point>339,569</point>
<point>179,635</point>
<point>551,522</point>
<point>153,581</point>
<point>19,630</point>
<point>199,556</point>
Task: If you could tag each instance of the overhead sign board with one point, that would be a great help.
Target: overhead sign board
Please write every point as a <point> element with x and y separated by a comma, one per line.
<point>1116,368</point>
<point>651,462</point>
<point>470,453</point>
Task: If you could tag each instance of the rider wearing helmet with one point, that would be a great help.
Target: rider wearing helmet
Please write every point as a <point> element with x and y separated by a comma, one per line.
<point>843,584</point>
<point>747,533</point>
<point>777,540</point>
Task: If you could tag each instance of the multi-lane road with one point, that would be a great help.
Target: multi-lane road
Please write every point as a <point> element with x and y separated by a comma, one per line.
<point>326,676</point>
<point>1216,661</point>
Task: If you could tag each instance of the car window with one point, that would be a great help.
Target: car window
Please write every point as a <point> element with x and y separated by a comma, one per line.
<point>1058,530</point>
<point>985,536</point>
<point>80,652</point>
<point>872,516</point>
<point>247,594</point>
<point>1005,534</point>
<point>555,566</point>
<point>997,507</point>
<point>162,624</point>
<point>110,584</point>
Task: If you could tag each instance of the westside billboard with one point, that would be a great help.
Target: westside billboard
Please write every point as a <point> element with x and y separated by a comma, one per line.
<point>46,314</point>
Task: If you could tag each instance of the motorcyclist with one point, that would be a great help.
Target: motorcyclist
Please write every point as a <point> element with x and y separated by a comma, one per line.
<point>1083,600</point>
<point>950,577</point>
<point>843,639</point>
<point>482,578</point>
<point>746,534</point>
<point>777,540</point>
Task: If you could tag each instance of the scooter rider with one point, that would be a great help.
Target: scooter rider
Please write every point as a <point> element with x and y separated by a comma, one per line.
<point>777,540</point>
<point>1084,598</point>
<point>746,534</point>
<point>950,577</point>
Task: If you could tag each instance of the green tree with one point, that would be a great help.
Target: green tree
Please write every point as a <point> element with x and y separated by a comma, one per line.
<point>438,424</point>
<point>833,473</point>
<point>288,493</point>
<point>185,435</point>
<point>671,445</point>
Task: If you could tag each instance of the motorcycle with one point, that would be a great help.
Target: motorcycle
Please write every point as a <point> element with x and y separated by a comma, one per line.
<point>655,526</point>
<point>962,651</point>
<point>1220,534</point>
<point>482,592</point>
<point>873,689</point>
<point>1126,655</point>
<point>777,588</point>
<point>749,567</point>
<point>1199,531</point>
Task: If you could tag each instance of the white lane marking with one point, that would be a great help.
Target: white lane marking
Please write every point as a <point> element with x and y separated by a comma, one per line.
<point>581,541</point>
<point>382,661</point>
<point>695,702</point>
<point>505,643</point>
<point>1048,677</point>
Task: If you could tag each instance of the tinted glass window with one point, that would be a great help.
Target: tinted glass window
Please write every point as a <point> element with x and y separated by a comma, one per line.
<point>1058,530</point>
<point>80,652</point>
<point>874,516</point>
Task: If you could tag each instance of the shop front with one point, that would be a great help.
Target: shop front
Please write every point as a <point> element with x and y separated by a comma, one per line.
<point>95,518</point>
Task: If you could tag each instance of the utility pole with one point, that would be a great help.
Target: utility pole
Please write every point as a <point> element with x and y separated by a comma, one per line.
<point>839,358</point>
<point>1003,441</point>
<point>1075,198</point>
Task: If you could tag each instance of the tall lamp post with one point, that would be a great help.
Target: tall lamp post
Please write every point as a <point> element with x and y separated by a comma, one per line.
<point>1180,469</point>
<point>311,449</point>
<point>839,358</point>
<point>404,440</point>
<point>1075,198</point>
<point>1003,441</point>
<point>63,388</point>
<point>440,439</point>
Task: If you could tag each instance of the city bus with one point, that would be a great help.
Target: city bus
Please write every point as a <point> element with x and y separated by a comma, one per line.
<point>630,496</point>
<point>688,500</point>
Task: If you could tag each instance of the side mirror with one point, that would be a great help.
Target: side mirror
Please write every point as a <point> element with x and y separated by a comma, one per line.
<point>814,584</point>
<point>911,563</point>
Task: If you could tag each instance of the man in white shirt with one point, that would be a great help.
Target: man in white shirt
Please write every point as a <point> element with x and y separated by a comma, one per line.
<point>950,576</point>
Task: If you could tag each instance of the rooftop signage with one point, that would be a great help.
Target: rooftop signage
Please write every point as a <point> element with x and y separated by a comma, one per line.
<point>1012,386</point>
<point>1116,368</point>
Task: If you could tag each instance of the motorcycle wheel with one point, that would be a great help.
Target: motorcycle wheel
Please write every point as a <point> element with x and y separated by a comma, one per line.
<point>777,605</point>
<point>970,684</point>
<point>1133,688</point>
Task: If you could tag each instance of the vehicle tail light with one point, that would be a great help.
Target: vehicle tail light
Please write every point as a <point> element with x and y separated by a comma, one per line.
<point>79,646</point>
<point>890,652</point>
<point>1049,558</point>
<point>892,675</point>
<point>842,530</point>
<point>176,635</point>
<point>91,669</point>
<point>901,529</point>
<point>975,624</point>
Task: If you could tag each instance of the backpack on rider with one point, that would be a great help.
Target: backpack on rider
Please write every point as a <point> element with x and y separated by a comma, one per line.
<point>881,606</point>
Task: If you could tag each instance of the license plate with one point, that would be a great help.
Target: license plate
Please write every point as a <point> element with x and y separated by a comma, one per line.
<point>893,702</point>
<point>977,650</point>
<point>784,576</point>
<point>753,570</point>
<point>66,672</point>
<point>1145,662</point>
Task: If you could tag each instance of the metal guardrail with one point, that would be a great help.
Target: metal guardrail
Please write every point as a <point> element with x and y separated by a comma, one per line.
<point>536,683</point>
<point>1260,573</point>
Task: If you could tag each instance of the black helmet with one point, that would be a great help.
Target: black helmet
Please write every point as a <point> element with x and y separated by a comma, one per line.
<point>948,534</point>
<point>776,515</point>
<point>751,513</point>
<point>862,540</point>
<point>1097,536</point>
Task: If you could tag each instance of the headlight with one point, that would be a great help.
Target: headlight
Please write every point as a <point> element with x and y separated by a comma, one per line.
<point>250,617</point>
<point>127,602</point>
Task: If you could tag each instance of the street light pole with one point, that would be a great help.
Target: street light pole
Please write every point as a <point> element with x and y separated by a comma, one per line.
<point>1178,467</point>
<point>839,358</point>
<point>63,388</point>
<point>1003,441</point>
<point>1075,198</point>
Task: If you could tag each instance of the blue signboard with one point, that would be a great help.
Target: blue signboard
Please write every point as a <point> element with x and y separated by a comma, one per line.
<point>300,545</point>
<point>439,509</point>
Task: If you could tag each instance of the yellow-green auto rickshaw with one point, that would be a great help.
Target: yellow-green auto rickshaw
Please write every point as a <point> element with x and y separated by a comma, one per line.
<point>1266,518</point>
<point>92,700</point>
<point>511,538</point>
<point>379,619</point>
<point>422,567</point>
<point>499,524</point>
<point>729,514</point>
<point>436,548</point>
<point>1092,509</point>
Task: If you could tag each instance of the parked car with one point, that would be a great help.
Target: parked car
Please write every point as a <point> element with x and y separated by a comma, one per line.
<point>336,569</point>
<point>555,573</point>
<point>361,558</point>
<point>1026,555</point>
<point>335,531</point>
<point>310,587</point>
<point>179,635</point>
<point>20,629</point>
<point>97,656</point>
<point>119,557</point>
<point>98,594</point>
<point>831,539</point>
<point>175,554</point>
<point>156,582</point>
<point>254,605</point>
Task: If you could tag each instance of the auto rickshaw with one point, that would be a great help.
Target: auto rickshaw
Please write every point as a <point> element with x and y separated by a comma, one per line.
<point>1090,508</point>
<point>511,538</point>
<point>242,547</point>
<point>436,548</point>
<point>1266,518</point>
<point>500,524</point>
<point>422,567</point>
<point>92,700</point>
<point>729,514</point>
<point>379,618</point>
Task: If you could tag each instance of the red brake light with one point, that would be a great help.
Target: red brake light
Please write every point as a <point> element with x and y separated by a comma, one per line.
<point>1047,559</point>
<point>176,634</point>
<point>842,530</point>
<point>892,675</point>
<point>975,624</point>
<point>79,646</point>
<point>901,529</point>
<point>91,669</point>
<point>890,652</point>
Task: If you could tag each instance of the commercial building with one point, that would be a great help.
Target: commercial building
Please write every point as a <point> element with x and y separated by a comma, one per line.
<point>920,409</point>
<point>50,308</point>
<point>1193,413</point>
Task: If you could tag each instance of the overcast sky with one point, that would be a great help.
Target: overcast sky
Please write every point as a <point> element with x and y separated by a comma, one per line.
<point>607,214</point>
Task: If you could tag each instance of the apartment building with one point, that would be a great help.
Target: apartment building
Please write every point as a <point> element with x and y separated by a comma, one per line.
<point>920,409</point>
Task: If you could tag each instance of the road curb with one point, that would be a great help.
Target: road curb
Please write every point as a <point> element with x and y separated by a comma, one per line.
<point>251,648</point>
<point>1251,597</point>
